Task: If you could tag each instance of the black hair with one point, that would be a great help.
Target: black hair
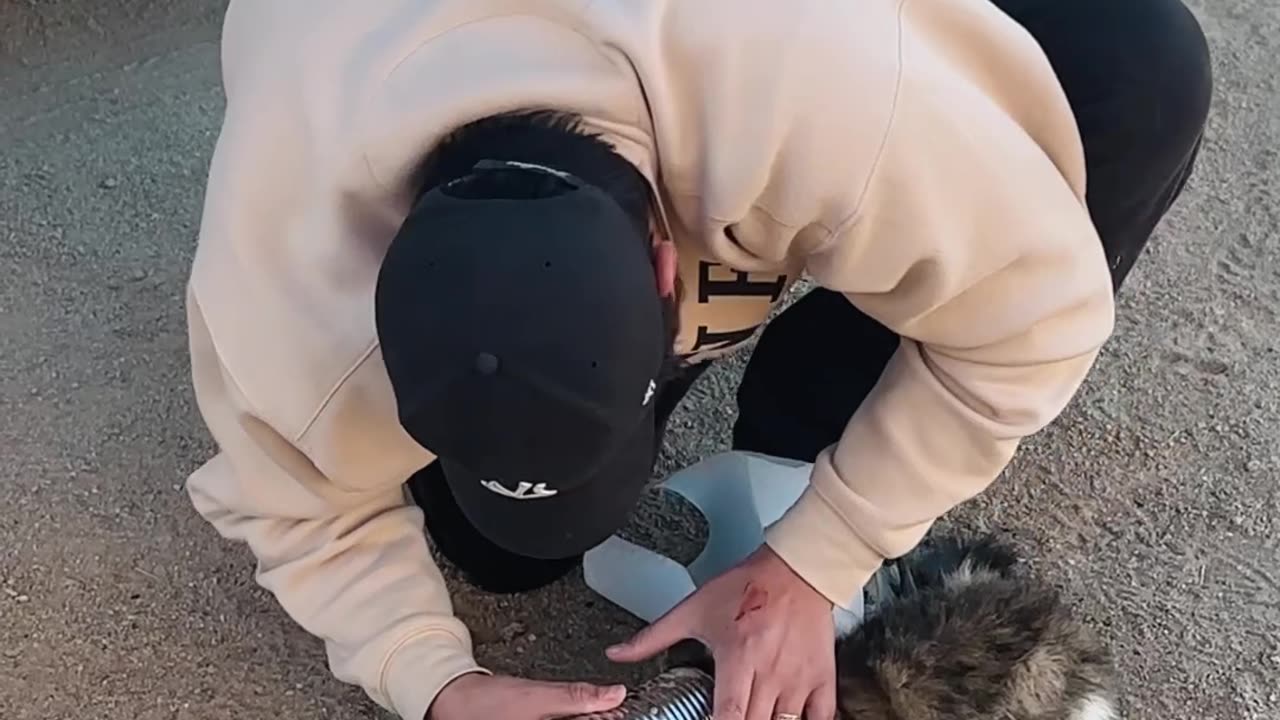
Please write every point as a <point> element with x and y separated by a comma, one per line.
<point>555,139</point>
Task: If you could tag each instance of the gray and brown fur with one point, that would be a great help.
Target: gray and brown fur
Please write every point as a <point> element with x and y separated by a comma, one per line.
<point>954,632</point>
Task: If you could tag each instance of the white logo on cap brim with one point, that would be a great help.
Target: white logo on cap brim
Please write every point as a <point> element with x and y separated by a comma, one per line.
<point>648,393</point>
<point>525,491</point>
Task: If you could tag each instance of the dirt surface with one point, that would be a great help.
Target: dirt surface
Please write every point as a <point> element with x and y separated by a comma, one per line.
<point>1154,499</point>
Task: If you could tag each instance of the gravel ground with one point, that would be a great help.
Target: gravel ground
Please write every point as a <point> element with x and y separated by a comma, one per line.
<point>1154,499</point>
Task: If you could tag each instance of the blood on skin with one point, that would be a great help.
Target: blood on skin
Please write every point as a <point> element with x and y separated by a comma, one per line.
<point>753,600</point>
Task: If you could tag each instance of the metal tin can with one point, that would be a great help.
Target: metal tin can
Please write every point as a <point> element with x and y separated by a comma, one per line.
<point>677,694</point>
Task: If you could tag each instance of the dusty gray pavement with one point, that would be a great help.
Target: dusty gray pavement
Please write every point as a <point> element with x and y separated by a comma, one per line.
<point>1154,500</point>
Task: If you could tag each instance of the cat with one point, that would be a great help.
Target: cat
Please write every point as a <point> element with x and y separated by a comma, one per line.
<point>953,631</point>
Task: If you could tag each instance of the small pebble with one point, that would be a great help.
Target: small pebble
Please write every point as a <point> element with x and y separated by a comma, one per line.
<point>512,631</point>
<point>110,183</point>
<point>11,592</point>
<point>22,598</point>
<point>138,275</point>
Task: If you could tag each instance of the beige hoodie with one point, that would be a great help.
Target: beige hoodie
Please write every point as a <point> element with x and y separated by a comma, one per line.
<point>917,155</point>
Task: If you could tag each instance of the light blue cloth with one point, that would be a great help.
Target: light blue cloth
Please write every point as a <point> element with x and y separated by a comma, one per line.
<point>739,494</point>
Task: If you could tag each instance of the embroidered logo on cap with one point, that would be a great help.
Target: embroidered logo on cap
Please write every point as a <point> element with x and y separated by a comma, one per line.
<point>525,491</point>
<point>648,393</point>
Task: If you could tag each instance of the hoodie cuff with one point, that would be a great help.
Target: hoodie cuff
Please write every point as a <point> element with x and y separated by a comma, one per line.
<point>419,669</point>
<point>820,546</point>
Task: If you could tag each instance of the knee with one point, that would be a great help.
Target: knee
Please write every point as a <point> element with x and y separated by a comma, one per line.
<point>1188,78</point>
<point>1170,69</point>
<point>1138,69</point>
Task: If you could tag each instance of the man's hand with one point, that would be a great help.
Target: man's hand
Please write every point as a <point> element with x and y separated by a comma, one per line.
<point>507,698</point>
<point>772,637</point>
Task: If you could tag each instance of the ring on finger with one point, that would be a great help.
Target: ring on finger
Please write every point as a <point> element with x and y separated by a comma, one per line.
<point>786,716</point>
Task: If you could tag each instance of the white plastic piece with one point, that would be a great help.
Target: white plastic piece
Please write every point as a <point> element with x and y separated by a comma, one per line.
<point>740,494</point>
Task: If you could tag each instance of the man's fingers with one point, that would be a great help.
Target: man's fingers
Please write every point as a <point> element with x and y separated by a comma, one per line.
<point>764,698</point>
<point>557,700</point>
<point>732,690</point>
<point>822,704</point>
<point>791,702</point>
<point>667,631</point>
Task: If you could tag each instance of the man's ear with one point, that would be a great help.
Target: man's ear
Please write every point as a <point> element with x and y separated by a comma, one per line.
<point>665,265</point>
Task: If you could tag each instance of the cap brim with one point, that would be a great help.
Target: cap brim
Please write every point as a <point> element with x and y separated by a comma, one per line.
<point>570,522</point>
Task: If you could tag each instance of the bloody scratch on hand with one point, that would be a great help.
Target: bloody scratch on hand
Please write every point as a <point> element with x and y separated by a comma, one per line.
<point>753,599</point>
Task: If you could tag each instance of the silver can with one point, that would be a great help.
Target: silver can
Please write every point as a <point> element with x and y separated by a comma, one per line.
<point>677,694</point>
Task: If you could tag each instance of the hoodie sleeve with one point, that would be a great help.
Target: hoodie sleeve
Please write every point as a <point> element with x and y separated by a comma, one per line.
<point>352,568</point>
<point>973,242</point>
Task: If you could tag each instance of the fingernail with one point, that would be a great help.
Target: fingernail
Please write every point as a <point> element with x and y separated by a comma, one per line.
<point>615,693</point>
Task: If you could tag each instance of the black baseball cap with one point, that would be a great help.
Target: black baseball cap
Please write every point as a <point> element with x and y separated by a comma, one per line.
<point>524,338</point>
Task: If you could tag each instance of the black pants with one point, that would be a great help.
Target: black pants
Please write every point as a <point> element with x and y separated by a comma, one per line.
<point>1138,78</point>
